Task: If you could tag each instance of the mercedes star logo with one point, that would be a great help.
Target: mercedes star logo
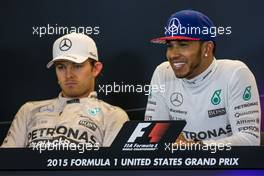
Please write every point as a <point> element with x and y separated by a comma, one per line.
<point>65,44</point>
<point>173,27</point>
<point>176,99</point>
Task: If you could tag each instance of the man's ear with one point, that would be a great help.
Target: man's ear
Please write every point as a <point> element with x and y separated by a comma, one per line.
<point>208,48</point>
<point>98,66</point>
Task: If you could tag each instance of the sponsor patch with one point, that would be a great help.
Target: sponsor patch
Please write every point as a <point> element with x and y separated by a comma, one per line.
<point>245,105</point>
<point>150,109</point>
<point>49,108</point>
<point>216,112</point>
<point>239,114</point>
<point>249,128</point>
<point>88,124</point>
<point>242,122</point>
<point>152,102</point>
<point>148,118</point>
<point>178,111</point>
<point>208,134</point>
<point>216,99</point>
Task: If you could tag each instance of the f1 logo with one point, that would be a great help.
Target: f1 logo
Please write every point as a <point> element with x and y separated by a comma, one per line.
<point>158,132</point>
<point>155,134</point>
<point>138,132</point>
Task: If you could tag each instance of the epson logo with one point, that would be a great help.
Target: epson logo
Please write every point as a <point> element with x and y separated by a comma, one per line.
<point>249,128</point>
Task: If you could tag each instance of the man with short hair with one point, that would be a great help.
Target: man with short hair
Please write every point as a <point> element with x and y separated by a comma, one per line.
<point>76,116</point>
<point>218,99</point>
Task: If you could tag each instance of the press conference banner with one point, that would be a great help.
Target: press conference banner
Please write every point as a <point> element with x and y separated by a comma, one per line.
<point>138,145</point>
<point>107,158</point>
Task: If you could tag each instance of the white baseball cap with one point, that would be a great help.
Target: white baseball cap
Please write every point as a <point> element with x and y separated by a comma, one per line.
<point>75,47</point>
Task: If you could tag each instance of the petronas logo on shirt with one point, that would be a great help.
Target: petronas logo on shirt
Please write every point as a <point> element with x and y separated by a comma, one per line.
<point>215,100</point>
<point>247,93</point>
<point>94,111</point>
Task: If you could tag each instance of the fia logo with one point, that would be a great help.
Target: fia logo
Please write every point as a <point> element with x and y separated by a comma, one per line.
<point>215,100</point>
<point>247,93</point>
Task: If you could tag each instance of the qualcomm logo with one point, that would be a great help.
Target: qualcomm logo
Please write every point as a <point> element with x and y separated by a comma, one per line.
<point>173,27</point>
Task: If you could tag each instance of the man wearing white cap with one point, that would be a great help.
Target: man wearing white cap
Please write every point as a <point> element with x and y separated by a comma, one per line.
<point>76,116</point>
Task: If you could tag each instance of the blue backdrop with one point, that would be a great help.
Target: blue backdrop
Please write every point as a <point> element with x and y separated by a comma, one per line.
<point>122,31</point>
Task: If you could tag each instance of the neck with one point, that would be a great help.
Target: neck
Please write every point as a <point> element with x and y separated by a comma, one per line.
<point>202,66</point>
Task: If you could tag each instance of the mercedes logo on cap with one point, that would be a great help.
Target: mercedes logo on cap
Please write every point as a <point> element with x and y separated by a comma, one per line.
<point>176,99</point>
<point>173,26</point>
<point>65,44</point>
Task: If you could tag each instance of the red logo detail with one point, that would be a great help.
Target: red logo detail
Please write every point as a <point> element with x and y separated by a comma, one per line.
<point>158,132</point>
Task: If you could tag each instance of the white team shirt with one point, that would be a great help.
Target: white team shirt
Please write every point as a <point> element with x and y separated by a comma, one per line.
<point>85,120</point>
<point>221,105</point>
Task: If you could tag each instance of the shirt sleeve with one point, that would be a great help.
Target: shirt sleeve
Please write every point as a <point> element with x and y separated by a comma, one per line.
<point>113,124</point>
<point>243,109</point>
<point>16,135</point>
<point>157,108</point>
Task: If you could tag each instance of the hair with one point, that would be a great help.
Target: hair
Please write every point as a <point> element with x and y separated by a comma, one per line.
<point>92,61</point>
<point>214,47</point>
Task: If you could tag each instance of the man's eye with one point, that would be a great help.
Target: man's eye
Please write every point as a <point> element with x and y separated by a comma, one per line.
<point>170,45</point>
<point>60,67</point>
<point>78,66</point>
<point>183,44</point>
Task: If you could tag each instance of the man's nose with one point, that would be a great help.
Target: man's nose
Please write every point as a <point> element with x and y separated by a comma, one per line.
<point>69,72</point>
